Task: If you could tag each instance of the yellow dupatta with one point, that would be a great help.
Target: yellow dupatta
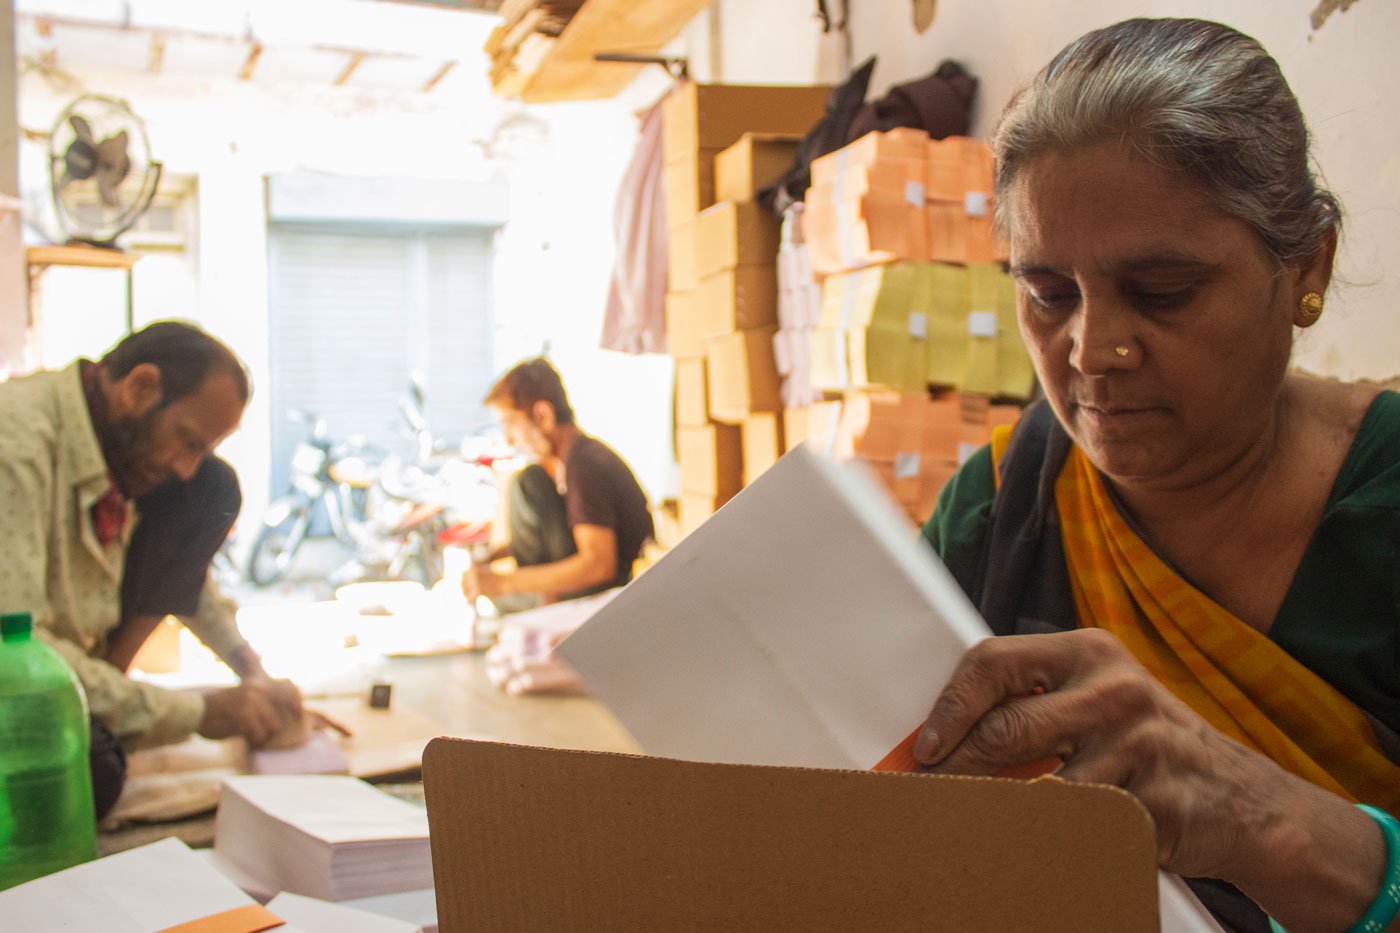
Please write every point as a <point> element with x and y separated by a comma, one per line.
<point>1235,677</point>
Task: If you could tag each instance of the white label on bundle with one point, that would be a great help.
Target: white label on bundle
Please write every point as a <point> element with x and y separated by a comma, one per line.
<point>966,450</point>
<point>906,465</point>
<point>914,193</point>
<point>982,324</point>
<point>918,325</point>
<point>976,204</point>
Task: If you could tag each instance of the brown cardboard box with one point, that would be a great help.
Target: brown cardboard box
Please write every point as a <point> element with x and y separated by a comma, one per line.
<point>742,374</point>
<point>685,338</point>
<point>690,186</point>
<point>711,460</point>
<point>695,510</point>
<point>692,394</point>
<point>596,842</point>
<point>680,258</point>
<point>714,116</point>
<point>738,299</point>
<point>730,234</point>
<point>762,435</point>
<point>753,163</point>
<point>817,422</point>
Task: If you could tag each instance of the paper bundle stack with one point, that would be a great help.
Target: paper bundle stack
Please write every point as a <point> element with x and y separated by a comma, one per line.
<point>906,326</point>
<point>958,185</point>
<point>799,312</point>
<point>913,441</point>
<point>866,203</point>
<point>900,195</point>
<point>523,658</point>
<point>334,838</point>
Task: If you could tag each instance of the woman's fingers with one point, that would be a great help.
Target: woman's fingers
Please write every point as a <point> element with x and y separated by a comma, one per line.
<point>998,669</point>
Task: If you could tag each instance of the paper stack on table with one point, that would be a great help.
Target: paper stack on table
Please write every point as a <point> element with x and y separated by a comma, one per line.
<point>150,888</point>
<point>523,659</point>
<point>335,838</point>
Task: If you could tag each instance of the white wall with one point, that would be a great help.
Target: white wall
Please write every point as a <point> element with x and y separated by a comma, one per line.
<point>13,317</point>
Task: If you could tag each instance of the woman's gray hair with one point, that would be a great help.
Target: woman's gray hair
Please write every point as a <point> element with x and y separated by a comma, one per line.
<point>1191,96</point>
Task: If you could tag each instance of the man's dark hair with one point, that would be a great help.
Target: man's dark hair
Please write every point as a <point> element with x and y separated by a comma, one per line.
<point>184,354</point>
<point>529,382</point>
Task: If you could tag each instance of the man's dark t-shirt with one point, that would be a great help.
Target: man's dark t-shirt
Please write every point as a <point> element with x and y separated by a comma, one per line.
<point>602,491</point>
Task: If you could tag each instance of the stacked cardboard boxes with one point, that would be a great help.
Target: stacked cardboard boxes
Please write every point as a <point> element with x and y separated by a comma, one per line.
<point>721,310</point>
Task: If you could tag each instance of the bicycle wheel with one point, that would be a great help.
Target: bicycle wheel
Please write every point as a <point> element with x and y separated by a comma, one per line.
<point>283,531</point>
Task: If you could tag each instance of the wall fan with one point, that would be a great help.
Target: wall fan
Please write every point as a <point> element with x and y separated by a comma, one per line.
<point>101,169</point>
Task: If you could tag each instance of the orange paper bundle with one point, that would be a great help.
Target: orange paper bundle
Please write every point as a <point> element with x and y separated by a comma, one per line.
<point>958,181</point>
<point>866,203</point>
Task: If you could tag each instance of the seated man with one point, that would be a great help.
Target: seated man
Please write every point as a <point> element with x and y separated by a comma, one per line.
<point>115,507</point>
<point>578,519</point>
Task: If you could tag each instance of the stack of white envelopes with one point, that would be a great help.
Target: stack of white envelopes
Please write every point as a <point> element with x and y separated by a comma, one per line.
<point>329,837</point>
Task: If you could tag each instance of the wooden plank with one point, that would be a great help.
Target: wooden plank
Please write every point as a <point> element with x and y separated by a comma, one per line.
<point>90,256</point>
<point>349,69</point>
<point>640,27</point>
<point>437,77</point>
<point>246,72</point>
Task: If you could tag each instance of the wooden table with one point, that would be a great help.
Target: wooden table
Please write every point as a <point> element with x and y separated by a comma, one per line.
<point>452,691</point>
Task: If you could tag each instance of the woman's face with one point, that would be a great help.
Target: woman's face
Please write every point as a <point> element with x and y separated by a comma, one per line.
<point>1112,253</point>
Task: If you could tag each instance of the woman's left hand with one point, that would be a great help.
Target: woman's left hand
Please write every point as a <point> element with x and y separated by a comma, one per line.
<point>1082,697</point>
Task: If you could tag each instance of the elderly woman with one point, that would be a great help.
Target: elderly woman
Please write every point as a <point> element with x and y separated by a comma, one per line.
<point>1193,551</point>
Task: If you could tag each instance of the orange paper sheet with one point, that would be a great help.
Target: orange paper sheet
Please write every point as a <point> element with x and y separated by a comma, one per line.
<point>251,918</point>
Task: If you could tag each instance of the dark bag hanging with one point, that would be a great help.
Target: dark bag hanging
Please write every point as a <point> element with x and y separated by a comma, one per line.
<point>829,134</point>
<point>939,103</point>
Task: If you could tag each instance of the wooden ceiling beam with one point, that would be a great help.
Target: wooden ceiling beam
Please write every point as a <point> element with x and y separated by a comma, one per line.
<point>250,63</point>
<point>156,62</point>
<point>355,60</point>
<point>436,79</point>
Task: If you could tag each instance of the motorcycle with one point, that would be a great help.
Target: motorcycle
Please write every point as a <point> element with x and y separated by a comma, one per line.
<point>338,475</point>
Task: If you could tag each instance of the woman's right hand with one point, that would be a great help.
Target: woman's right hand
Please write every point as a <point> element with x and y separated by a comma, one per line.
<point>1221,810</point>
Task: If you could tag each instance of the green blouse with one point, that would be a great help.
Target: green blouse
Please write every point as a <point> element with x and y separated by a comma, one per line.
<point>1341,615</point>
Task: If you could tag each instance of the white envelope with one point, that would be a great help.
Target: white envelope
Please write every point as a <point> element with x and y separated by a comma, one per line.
<point>804,624</point>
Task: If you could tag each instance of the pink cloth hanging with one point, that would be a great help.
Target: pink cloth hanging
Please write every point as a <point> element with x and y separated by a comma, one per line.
<point>635,318</point>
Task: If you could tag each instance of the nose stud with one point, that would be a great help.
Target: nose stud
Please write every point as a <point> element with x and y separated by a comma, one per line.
<point>1121,351</point>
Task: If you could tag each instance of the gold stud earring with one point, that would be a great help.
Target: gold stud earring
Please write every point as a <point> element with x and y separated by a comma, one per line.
<point>1309,310</point>
<point>1121,351</point>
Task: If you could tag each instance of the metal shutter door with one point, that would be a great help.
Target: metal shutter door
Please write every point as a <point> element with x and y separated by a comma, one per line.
<point>354,313</point>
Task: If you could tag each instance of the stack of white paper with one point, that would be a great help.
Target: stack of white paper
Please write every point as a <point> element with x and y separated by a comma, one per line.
<point>334,838</point>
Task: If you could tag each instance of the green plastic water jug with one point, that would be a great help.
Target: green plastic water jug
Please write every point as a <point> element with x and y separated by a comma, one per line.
<point>47,819</point>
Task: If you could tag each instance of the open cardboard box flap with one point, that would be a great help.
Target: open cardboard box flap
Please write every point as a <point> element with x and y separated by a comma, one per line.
<point>544,839</point>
